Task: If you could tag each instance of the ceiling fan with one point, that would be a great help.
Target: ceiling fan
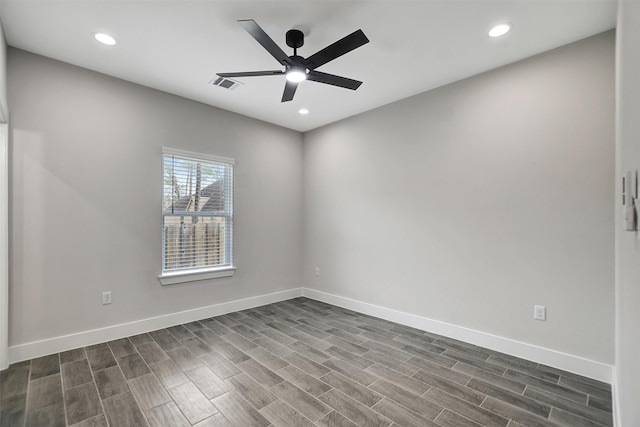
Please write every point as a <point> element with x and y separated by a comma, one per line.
<point>297,68</point>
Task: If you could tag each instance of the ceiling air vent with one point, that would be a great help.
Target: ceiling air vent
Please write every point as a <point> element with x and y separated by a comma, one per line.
<point>225,83</point>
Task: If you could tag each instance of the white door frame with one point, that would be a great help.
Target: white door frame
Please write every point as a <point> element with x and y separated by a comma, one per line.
<point>4,246</point>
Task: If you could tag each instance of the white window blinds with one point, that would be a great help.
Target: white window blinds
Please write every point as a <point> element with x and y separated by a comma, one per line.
<point>197,211</point>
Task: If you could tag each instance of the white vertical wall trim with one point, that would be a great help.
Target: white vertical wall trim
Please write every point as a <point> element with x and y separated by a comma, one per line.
<point>615,398</point>
<point>4,206</point>
<point>4,245</point>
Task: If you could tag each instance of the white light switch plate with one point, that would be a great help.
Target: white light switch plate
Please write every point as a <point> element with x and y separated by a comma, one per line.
<point>106,298</point>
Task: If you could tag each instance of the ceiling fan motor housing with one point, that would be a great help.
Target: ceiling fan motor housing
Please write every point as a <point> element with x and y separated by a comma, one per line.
<point>295,38</point>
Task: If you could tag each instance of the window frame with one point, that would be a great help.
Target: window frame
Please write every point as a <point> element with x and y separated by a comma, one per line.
<point>170,277</point>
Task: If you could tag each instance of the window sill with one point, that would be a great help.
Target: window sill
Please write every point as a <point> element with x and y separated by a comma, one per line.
<point>194,275</point>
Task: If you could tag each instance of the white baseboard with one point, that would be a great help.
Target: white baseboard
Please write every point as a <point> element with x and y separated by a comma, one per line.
<point>567,362</point>
<point>34,349</point>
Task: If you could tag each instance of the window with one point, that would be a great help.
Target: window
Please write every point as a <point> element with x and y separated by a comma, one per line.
<point>197,216</point>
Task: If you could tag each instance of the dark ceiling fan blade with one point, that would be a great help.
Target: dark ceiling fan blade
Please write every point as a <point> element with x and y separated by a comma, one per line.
<point>266,41</point>
<point>289,91</point>
<point>252,73</point>
<point>337,49</point>
<point>331,79</point>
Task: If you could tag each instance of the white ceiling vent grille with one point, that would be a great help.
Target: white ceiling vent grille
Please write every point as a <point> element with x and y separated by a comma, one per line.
<point>225,83</point>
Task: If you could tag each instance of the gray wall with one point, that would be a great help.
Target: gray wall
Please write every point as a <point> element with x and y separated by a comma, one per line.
<point>467,204</point>
<point>627,243</point>
<point>85,199</point>
<point>470,203</point>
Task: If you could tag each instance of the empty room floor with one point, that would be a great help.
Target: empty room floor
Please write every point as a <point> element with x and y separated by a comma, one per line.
<point>295,363</point>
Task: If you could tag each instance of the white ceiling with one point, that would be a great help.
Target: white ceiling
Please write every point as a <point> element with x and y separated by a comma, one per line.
<point>178,46</point>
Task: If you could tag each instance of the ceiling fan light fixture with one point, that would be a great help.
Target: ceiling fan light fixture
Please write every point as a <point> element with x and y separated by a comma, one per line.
<point>296,74</point>
<point>298,68</point>
<point>104,38</point>
<point>499,30</point>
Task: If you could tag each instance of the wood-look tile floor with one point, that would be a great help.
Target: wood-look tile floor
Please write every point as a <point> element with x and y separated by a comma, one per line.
<point>295,363</point>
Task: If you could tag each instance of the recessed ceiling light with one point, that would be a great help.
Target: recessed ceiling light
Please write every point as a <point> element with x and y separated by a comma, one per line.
<point>499,30</point>
<point>303,111</point>
<point>104,39</point>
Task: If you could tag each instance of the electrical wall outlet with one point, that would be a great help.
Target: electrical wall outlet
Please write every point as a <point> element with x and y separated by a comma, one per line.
<point>317,271</point>
<point>106,298</point>
<point>540,312</point>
